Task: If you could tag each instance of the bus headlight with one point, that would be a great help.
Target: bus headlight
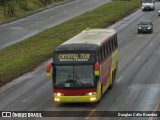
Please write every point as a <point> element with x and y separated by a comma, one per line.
<point>56,99</point>
<point>149,27</point>
<point>58,94</point>
<point>92,98</point>
<point>91,93</point>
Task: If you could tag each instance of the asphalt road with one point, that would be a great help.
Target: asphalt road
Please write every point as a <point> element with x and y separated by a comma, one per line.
<point>29,26</point>
<point>136,88</point>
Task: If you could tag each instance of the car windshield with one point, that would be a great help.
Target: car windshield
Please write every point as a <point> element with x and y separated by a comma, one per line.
<point>74,76</point>
<point>147,1</point>
<point>145,23</point>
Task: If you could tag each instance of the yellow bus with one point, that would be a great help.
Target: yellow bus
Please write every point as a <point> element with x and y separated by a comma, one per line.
<point>85,66</point>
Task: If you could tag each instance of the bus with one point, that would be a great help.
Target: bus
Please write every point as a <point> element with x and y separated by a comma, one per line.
<point>85,66</point>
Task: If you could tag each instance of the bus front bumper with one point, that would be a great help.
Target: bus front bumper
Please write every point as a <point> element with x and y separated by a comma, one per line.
<point>75,99</point>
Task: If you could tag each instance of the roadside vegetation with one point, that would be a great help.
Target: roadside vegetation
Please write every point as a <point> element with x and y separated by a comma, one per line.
<point>19,8</point>
<point>22,57</point>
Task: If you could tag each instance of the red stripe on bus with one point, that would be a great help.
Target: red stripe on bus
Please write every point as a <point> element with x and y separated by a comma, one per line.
<point>74,92</point>
<point>105,70</point>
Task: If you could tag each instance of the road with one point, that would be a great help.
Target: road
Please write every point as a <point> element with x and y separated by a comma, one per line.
<point>29,26</point>
<point>136,88</point>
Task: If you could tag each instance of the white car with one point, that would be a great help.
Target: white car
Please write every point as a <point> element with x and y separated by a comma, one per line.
<point>148,5</point>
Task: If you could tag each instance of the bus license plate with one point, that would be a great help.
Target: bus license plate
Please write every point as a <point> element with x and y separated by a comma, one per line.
<point>75,99</point>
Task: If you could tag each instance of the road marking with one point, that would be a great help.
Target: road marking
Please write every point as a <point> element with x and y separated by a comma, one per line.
<point>117,81</point>
<point>150,44</point>
<point>92,111</point>
<point>138,58</point>
<point>52,16</point>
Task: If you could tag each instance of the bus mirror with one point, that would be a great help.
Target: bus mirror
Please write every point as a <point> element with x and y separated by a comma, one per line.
<point>96,69</point>
<point>48,70</point>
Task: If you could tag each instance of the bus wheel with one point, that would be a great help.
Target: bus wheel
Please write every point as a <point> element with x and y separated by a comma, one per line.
<point>113,77</point>
<point>111,85</point>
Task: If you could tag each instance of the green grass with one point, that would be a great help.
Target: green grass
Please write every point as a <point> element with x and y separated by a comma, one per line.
<point>32,5</point>
<point>21,57</point>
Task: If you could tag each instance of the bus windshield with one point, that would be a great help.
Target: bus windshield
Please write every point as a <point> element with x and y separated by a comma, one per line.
<point>74,76</point>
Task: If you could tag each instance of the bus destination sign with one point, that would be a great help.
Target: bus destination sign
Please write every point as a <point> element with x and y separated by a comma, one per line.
<point>74,58</point>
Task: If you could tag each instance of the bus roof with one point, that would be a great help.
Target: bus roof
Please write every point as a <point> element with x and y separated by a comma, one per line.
<point>91,36</point>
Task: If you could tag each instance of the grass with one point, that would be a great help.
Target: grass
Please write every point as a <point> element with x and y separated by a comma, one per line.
<point>22,57</point>
<point>32,5</point>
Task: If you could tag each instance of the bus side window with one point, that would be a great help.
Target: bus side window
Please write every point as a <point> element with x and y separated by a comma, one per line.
<point>110,46</point>
<point>116,42</point>
<point>104,52</point>
<point>113,43</point>
<point>108,49</point>
<point>102,57</point>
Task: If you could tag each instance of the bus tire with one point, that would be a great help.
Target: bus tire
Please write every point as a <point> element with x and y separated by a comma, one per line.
<point>111,85</point>
<point>113,77</point>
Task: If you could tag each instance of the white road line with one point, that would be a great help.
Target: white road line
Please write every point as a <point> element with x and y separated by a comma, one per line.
<point>138,58</point>
<point>117,81</point>
<point>52,16</point>
<point>90,114</point>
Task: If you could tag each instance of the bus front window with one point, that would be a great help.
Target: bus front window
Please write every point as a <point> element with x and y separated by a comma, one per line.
<point>74,76</point>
